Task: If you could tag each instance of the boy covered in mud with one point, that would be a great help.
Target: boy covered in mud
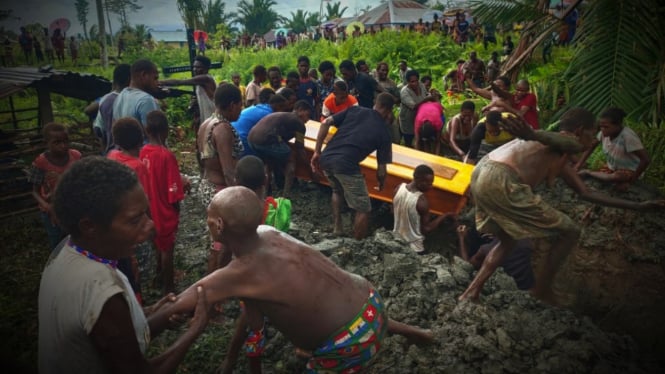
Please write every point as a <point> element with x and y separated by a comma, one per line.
<point>502,183</point>
<point>336,317</point>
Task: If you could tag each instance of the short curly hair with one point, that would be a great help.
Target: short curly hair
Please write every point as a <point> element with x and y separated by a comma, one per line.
<point>91,188</point>
<point>127,133</point>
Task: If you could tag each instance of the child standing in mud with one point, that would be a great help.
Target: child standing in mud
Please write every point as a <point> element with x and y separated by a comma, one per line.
<point>339,319</point>
<point>45,173</point>
<point>502,183</point>
<point>167,189</point>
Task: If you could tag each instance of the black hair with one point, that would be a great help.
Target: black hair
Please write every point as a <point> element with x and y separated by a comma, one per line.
<point>265,94</point>
<point>204,60</point>
<point>276,100</point>
<point>122,75</point>
<point>287,92</point>
<point>575,118</point>
<point>468,105</point>
<point>427,130</point>
<point>347,65</point>
<point>227,94</point>
<point>141,66</point>
<point>360,63</point>
<point>91,188</point>
<point>302,105</point>
<point>385,100</point>
<point>614,115</point>
<point>303,59</point>
<point>156,123</point>
<point>52,127</point>
<point>425,78</point>
<point>275,68</point>
<point>341,85</point>
<point>493,117</point>
<point>293,75</point>
<point>250,172</point>
<point>259,70</point>
<point>325,66</point>
<point>411,73</point>
<point>127,133</point>
<point>421,171</point>
<point>505,80</point>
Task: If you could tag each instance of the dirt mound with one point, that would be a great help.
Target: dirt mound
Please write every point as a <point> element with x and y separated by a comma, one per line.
<point>509,331</point>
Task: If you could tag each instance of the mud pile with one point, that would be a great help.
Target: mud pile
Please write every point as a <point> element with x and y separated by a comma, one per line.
<point>508,331</point>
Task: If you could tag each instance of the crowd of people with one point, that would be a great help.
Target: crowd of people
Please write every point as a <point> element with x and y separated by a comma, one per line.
<point>120,211</point>
<point>47,46</point>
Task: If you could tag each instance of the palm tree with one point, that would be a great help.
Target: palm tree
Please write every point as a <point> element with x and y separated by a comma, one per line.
<point>213,14</point>
<point>333,11</point>
<point>257,16</point>
<point>191,12</point>
<point>615,62</point>
<point>82,9</point>
<point>297,22</point>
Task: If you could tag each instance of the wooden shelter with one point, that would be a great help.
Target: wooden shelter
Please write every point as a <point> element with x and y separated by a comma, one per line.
<point>20,125</point>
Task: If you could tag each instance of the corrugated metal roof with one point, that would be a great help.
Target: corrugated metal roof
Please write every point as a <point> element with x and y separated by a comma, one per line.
<point>72,84</point>
<point>169,36</point>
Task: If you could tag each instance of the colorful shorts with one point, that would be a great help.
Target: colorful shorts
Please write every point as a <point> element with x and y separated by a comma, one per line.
<point>354,189</point>
<point>351,348</point>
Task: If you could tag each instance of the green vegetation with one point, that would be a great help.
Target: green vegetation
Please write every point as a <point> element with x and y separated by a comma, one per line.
<point>429,54</point>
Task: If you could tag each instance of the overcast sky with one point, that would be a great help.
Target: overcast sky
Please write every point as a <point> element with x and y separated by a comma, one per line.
<point>158,14</point>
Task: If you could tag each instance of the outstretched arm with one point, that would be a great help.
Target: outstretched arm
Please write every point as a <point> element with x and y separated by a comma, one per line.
<point>518,127</point>
<point>480,91</point>
<point>571,178</point>
<point>320,137</point>
<point>199,80</point>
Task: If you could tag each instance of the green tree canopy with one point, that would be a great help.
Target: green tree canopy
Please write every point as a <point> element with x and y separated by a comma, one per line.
<point>257,16</point>
<point>82,10</point>
<point>333,11</point>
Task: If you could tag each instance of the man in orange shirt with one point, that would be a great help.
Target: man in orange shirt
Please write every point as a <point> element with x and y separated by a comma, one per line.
<point>338,101</point>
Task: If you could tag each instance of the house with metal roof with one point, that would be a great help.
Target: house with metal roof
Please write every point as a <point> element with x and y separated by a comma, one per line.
<point>176,38</point>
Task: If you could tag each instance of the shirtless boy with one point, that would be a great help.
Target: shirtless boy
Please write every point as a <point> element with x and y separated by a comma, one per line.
<point>325,309</point>
<point>501,185</point>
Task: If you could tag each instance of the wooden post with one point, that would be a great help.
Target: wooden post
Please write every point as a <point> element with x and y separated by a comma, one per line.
<point>11,109</point>
<point>45,108</point>
<point>191,45</point>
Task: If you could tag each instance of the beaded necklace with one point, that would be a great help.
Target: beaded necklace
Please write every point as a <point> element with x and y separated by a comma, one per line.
<point>111,263</point>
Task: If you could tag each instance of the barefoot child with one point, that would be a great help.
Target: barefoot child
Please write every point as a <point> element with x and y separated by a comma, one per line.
<point>45,173</point>
<point>167,189</point>
<point>626,157</point>
<point>336,316</point>
<point>128,136</point>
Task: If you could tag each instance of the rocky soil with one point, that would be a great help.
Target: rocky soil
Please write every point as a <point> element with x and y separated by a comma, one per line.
<point>610,289</point>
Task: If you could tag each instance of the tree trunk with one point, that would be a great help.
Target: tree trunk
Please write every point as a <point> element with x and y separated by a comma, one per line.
<point>102,34</point>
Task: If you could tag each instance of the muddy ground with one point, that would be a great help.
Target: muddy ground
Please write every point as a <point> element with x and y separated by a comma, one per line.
<point>611,294</point>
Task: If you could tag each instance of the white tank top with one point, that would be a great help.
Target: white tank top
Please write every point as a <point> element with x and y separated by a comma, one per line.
<point>206,104</point>
<point>407,219</point>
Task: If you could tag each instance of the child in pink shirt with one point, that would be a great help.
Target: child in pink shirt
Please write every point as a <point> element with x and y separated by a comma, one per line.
<point>45,173</point>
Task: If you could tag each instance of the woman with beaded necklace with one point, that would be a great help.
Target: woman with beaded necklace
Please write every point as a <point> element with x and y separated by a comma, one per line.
<point>219,147</point>
<point>89,319</point>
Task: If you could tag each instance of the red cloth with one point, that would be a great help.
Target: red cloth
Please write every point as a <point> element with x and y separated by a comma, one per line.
<point>166,191</point>
<point>531,115</point>
<point>52,172</point>
<point>135,164</point>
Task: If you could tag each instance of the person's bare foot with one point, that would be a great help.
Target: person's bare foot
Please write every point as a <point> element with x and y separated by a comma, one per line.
<point>303,353</point>
<point>420,337</point>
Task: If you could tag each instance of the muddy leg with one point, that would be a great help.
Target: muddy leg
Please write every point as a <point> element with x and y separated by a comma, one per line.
<point>337,213</point>
<point>492,261</point>
<point>360,224</point>
<point>553,261</point>
<point>167,271</point>
<point>235,345</point>
<point>415,335</point>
